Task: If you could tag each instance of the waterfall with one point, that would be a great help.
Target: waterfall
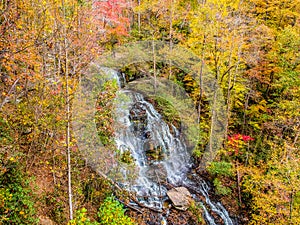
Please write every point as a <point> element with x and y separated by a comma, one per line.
<point>159,154</point>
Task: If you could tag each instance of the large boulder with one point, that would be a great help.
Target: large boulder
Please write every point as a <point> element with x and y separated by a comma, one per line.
<point>180,197</point>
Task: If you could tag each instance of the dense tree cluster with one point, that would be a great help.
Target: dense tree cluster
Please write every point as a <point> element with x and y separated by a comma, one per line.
<point>252,47</point>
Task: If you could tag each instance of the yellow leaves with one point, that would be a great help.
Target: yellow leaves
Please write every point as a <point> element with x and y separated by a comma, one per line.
<point>44,2</point>
<point>257,108</point>
<point>12,159</point>
<point>146,5</point>
<point>273,186</point>
<point>19,26</point>
<point>225,6</point>
<point>276,13</point>
<point>72,222</point>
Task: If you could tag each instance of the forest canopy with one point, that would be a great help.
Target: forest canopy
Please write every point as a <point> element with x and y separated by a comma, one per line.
<point>250,47</point>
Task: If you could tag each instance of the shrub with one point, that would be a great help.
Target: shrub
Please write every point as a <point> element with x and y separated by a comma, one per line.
<point>220,188</point>
<point>111,212</point>
<point>16,204</point>
<point>167,110</point>
<point>220,169</point>
<point>81,218</point>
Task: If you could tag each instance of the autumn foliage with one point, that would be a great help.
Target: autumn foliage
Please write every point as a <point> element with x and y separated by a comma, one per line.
<point>252,49</point>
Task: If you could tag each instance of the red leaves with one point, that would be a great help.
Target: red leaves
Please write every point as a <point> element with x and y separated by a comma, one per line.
<point>111,13</point>
<point>247,138</point>
<point>237,137</point>
<point>237,141</point>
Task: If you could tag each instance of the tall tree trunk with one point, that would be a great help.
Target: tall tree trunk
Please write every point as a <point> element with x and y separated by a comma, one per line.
<point>139,18</point>
<point>66,73</point>
<point>154,63</point>
<point>212,127</point>
<point>246,104</point>
<point>291,206</point>
<point>238,183</point>
<point>228,91</point>
<point>201,78</point>
<point>171,35</point>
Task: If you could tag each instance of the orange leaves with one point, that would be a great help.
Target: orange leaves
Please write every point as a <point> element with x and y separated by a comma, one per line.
<point>18,40</point>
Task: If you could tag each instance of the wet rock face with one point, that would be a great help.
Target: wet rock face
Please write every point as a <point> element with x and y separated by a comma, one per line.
<point>156,172</point>
<point>153,151</point>
<point>138,117</point>
<point>180,197</point>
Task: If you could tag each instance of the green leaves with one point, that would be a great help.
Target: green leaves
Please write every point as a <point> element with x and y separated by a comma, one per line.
<point>16,203</point>
<point>221,168</point>
<point>81,218</point>
<point>220,188</point>
<point>111,212</point>
<point>221,171</point>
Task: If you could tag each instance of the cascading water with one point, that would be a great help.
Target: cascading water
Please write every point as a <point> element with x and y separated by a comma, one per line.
<point>159,154</point>
<point>201,187</point>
